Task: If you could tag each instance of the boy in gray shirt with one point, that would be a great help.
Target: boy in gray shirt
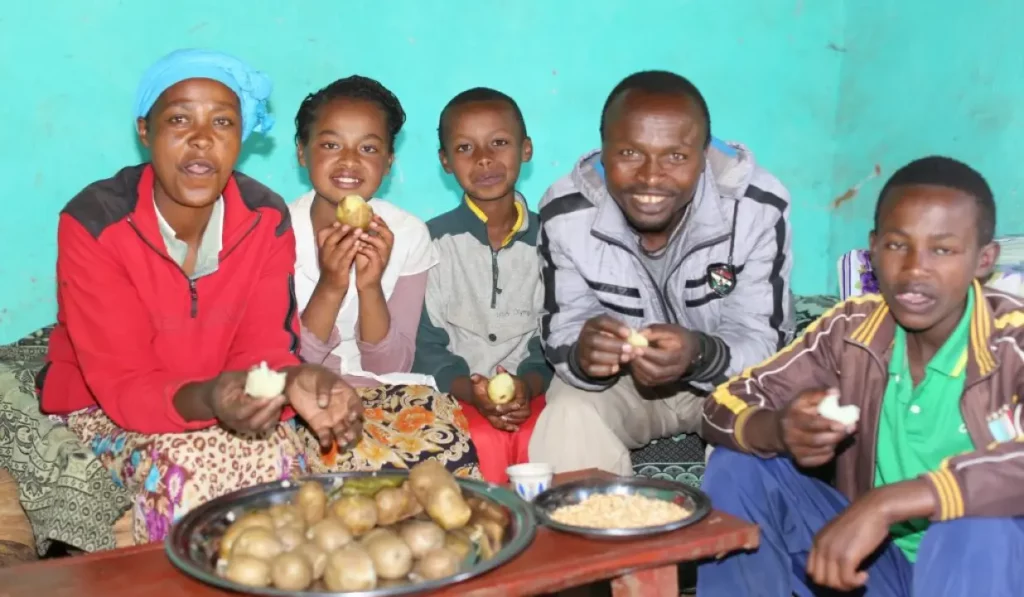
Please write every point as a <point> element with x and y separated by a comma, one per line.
<point>481,313</point>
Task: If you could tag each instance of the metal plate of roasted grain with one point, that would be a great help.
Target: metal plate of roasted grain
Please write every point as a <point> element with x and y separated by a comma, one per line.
<point>193,543</point>
<point>693,500</point>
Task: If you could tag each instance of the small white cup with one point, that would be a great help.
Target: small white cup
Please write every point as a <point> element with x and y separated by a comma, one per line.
<point>530,479</point>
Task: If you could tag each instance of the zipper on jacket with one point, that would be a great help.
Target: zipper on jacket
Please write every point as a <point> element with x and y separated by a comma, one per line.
<point>666,307</point>
<point>675,268</point>
<point>654,283</point>
<point>495,291</point>
<point>494,278</point>
<point>193,292</point>
<point>194,295</point>
<point>873,449</point>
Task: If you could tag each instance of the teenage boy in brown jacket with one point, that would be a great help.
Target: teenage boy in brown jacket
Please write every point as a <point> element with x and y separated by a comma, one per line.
<point>928,489</point>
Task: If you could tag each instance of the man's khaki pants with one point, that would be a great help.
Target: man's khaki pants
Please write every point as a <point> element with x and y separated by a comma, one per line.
<point>580,429</point>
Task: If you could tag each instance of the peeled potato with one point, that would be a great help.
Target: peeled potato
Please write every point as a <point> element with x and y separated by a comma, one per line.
<point>421,536</point>
<point>329,534</point>
<point>501,389</point>
<point>357,512</point>
<point>244,523</point>
<point>263,382</point>
<point>637,339</point>
<point>354,211</point>
<point>257,542</point>
<point>829,408</point>
<point>447,508</point>
<point>437,563</point>
<point>291,572</point>
<point>350,569</point>
<point>311,500</point>
<point>248,571</point>
<point>392,558</point>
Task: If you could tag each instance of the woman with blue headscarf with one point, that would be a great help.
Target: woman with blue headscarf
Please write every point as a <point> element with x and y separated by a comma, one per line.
<point>175,278</point>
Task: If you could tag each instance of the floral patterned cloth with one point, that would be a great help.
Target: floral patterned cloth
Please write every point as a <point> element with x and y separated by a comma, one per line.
<point>403,425</point>
<point>169,474</point>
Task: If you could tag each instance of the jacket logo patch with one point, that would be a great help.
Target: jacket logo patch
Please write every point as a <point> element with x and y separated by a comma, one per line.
<point>721,278</point>
<point>1005,423</point>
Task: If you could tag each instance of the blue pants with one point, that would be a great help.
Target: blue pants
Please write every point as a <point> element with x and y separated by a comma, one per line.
<point>967,557</point>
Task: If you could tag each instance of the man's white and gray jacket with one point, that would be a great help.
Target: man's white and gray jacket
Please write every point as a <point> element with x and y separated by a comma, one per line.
<point>591,265</point>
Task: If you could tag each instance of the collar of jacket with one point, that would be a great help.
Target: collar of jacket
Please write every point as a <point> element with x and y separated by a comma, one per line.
<point>876,333</point>
<point>476,222</point>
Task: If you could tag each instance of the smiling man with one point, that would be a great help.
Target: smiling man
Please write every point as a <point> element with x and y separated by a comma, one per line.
<point>670,233</point>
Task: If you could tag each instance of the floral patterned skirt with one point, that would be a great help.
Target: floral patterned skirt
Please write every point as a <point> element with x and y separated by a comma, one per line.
<point>169,474</point>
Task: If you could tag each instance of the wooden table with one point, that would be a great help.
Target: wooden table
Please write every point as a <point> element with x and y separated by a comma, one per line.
<point>555,561</point>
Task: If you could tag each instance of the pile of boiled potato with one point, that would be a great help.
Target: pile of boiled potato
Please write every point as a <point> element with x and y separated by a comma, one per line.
<point>372,532</point>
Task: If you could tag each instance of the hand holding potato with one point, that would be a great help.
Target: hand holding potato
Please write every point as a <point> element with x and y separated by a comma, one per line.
<point>239,412</point>
<point>373,251</point>
<point>517,408</point>
<point>602,347</point>
<point>667,357</point>
<point>810,438</point>
<point>336,250</point>
<point>483,403</point>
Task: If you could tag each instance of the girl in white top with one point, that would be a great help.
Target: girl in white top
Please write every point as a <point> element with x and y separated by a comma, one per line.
<point>401,285</point>
<point>360,294</point>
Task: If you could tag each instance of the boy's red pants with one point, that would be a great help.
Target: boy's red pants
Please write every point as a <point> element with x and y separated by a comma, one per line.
<point>497,449</point>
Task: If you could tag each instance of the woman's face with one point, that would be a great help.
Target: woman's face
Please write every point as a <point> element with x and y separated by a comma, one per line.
<point>194,135</point>
<point>348,152</point>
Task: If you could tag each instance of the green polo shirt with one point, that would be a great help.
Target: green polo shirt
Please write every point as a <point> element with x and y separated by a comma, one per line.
<point>920,427</point>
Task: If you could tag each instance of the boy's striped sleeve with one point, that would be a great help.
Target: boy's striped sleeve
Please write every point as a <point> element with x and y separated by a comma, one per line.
<point>808,363</point>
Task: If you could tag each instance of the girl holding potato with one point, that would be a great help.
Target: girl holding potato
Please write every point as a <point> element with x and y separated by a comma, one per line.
<point>361,274</point>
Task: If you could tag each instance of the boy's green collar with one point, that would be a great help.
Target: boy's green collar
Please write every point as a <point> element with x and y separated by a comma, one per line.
<point>878,330</point>
<point>951,358</point>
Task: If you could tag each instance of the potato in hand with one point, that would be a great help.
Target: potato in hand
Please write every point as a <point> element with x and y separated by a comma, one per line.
<point>501,389</point>
<point>354,211</point>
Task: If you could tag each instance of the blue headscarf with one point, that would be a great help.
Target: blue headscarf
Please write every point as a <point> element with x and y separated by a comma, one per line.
<point>250,85</point>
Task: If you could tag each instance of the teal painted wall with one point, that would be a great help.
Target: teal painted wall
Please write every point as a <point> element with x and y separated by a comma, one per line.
<point>68,69</point>
<point>927,77</point>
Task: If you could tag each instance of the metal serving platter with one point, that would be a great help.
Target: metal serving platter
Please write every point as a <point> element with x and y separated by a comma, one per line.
<point>194,540</point>
<point>690,498</point>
